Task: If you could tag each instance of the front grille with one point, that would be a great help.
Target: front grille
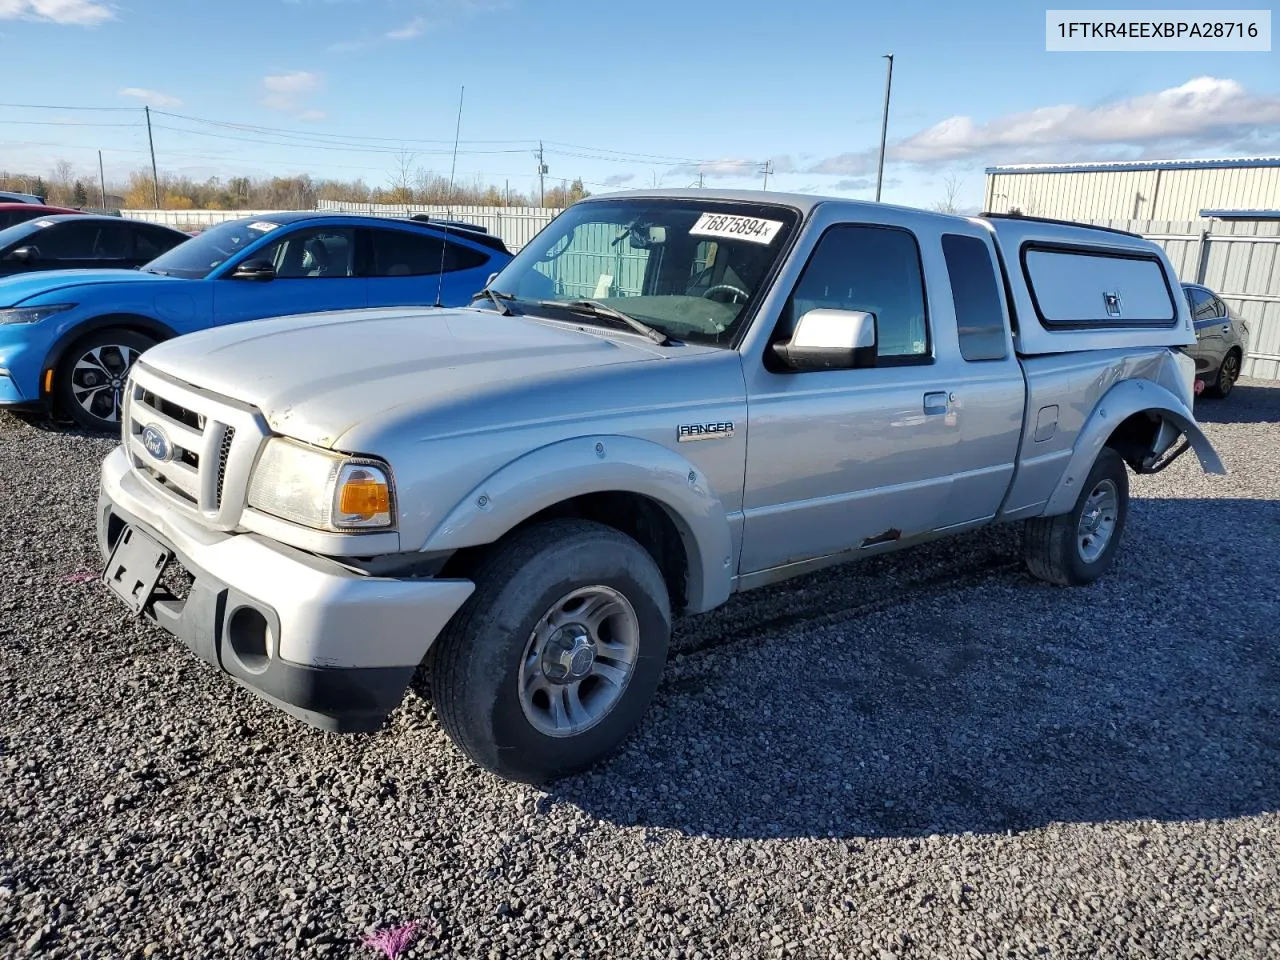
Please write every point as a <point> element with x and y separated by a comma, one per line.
<point>191,447</point>
<point>224,451</point>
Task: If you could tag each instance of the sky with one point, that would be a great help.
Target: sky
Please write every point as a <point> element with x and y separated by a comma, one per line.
<point>621,94</point>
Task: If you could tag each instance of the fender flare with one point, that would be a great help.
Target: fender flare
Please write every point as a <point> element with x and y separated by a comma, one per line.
<point>130,321</point>
<point>1120,402</point>
<point>602,464</point>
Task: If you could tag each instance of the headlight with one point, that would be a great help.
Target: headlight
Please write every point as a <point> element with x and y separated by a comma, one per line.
<point>32,314</point>
<point>316,488</point>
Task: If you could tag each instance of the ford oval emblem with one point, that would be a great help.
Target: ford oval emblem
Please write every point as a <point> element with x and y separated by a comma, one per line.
<point>157,443</point>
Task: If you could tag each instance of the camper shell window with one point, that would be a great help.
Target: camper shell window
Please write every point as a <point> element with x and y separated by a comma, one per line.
<point>1082,287</point>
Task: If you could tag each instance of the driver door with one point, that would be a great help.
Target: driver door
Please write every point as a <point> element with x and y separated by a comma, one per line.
<point>315,271</point>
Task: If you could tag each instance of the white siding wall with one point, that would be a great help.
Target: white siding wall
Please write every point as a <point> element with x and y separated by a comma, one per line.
<point>1160,194</point>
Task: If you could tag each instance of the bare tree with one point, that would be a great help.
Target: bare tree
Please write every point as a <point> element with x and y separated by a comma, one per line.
<point>400,180</point>
<point>950,194</point>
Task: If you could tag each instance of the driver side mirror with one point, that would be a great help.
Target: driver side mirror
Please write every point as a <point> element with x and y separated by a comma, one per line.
<point>255,270</point>
<point>27,254</point>
<point>831,340</point>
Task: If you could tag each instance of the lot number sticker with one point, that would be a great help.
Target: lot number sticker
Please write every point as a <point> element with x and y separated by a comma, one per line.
<point>736,228</point>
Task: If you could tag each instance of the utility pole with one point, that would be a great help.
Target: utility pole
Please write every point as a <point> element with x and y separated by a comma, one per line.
<point>884,124</point>
<point>542,172</point>
<point>768,169</point>
<point>155,177</point>
<point>699,179</point>
<point>102,182</point>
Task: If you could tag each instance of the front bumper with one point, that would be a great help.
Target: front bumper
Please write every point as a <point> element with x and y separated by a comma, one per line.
<point>336,649</point>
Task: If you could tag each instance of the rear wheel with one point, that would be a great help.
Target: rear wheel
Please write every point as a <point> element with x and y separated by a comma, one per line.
<point>89,383</point>
<point>1078,547</point>
<point>1228,374</point>
<point>555,657</point>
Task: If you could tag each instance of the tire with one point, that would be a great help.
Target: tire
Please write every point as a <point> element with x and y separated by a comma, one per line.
<point>89,383</point>
<point>498,664</point>
<point>1062,549</point>
<point>1228,374</point>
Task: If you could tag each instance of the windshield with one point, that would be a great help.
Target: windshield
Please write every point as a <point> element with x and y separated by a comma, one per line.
<point>196,258</point>
<point>688,268</point>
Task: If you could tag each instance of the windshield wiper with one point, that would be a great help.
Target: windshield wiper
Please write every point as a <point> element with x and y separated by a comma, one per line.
<point>598,309</point>
<point>499,300</point>
<point>158,273</point>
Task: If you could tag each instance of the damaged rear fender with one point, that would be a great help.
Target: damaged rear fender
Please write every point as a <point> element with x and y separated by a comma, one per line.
<point>1121,402</point>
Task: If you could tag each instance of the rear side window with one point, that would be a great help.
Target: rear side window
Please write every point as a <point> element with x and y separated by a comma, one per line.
<point>976,296</point>
<point>1078,287</point>
<point>150,242</point>
<point>875,270</point>
<point>400,253</point>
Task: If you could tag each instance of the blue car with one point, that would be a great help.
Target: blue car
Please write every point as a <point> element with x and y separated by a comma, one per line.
<point>68,337</point>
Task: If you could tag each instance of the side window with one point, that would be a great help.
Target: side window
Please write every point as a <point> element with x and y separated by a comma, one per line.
<point>399,253</point>
<point>317,253</point>
<point>976,296</point>
<point>112,242</point>
<point>66,241</point>
<point>875,270</point>
<point>459,257</point>
<point>149,243</point>
<point>1219,308</point>
<point>1201,302</point>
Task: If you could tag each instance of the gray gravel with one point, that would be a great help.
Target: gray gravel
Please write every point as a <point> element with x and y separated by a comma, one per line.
<point>929,755</point>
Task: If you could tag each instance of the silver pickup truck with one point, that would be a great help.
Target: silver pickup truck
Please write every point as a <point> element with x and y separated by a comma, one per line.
<point>665,398</point>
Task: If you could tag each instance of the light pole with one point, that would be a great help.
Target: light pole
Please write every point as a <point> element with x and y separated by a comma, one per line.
<point>884,124</point>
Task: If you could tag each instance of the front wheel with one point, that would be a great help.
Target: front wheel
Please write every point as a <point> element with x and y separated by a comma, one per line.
<point>89,383</point>
<point>1078,547</point>
<point>555,657</point>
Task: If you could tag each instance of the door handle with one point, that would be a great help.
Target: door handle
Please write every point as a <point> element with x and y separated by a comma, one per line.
<point>936,402</point>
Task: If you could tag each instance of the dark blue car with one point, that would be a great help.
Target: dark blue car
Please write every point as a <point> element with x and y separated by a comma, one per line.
<point>68,337</point>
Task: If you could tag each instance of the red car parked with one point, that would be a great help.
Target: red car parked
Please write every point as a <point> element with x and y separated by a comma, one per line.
<point>15,213</point>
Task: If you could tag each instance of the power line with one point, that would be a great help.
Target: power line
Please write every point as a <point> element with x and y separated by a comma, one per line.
<point>46,106</point>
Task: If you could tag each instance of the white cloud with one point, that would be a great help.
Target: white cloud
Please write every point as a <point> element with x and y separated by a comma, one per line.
<point>153,97</point>
<point>84,13</point>
<point>1205,111</point>
<point>287,92</point>
<point>618,179</point>
<point>414,28</point>
<point>297,82</point>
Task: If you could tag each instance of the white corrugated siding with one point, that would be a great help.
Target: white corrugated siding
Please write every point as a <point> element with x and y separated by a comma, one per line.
<point>1154,194</point>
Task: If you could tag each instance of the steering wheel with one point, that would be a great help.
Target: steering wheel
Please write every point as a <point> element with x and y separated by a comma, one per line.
<point>739,295</point>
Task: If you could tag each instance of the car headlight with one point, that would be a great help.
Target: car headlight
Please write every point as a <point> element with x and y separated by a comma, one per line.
<point>316,488</point>
<point>32,314</point>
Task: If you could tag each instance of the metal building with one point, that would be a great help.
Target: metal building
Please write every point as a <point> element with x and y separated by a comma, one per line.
<point>1153,190</point>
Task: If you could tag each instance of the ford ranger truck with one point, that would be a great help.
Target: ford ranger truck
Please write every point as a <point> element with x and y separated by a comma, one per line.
<point>665,398</point>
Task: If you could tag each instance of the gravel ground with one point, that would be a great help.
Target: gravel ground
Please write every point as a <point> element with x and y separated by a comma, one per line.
<point>928,755</point>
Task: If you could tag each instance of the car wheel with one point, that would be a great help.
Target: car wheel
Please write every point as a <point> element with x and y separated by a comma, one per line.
<point>554,659</point>
<point>89,383</point>
<point>1228,374</point>
<point>1078,547</point>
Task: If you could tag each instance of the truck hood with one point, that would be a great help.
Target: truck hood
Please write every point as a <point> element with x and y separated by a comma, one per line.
<point>314,377</point>
<point>16,289</point>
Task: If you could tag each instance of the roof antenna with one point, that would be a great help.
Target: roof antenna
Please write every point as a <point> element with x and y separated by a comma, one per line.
<point>449,201</point>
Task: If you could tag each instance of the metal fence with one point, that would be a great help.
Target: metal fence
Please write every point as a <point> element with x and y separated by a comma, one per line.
<point>515,225</point>
<point>1240,261</point>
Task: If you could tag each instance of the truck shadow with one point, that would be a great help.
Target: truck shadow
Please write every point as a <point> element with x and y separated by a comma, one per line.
<point>943,690</point>
<point>1251,401</point>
